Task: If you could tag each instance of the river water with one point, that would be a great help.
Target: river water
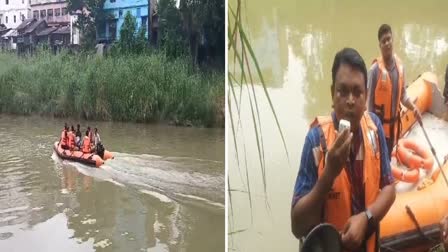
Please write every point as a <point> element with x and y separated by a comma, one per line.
<point>295,43</point>
<point>164,191</point>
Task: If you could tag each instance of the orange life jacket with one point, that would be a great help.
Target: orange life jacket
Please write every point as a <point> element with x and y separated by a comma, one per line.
<point>63,138</point>
<point>383,98</point>
<point>86,145</point>
<point>338,206</point>
<point>71,140</point>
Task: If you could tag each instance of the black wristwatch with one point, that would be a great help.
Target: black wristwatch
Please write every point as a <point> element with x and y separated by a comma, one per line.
<point>371,223</point>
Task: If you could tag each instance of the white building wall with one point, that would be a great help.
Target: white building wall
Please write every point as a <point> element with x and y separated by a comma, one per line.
<point>13,11</point>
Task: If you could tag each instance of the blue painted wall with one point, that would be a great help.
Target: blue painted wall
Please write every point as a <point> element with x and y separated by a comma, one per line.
<point>118,8</point>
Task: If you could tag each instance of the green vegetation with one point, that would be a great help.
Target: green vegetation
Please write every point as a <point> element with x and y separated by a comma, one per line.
<point>140,88</point>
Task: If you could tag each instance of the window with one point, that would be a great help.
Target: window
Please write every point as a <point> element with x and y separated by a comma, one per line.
<point>138,12</point>
<point>7,2</point>
<point>6,21</point>
<point>1,18</point>
<point>120,13</point>
<point>43,14</point>
<point>14,18</point>
<point>57,12</point>
<point>64,11</point>
<point>36,14</point>
<point>144,20</point>
<point>22,17</point>
<point>50,12</point>
<point>23,1</point>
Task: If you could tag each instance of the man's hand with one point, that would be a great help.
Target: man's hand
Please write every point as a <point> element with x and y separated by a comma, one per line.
<point>354,232</point>
<point>338,153</point>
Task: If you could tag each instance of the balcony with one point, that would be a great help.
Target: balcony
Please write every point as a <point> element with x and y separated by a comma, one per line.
<point>58,19</point>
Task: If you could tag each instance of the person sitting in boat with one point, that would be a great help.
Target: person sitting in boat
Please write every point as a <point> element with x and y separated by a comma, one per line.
<point>386,79</point>
<point>64,140</point>
<point>71,139</point>
<point>86,146</point>
<point>97,139</point>
<point>78,136</point>
<point>331,185</point>
<point>92,139</point>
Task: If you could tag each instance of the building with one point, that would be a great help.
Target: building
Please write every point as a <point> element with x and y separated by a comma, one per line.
<point>13,12</point>
<point>117,9</point>
<point>54,13</point>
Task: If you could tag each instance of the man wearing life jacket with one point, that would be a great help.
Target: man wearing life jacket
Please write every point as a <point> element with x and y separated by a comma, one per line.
<point>71,138</point>
<point>386,88</point>
<point>345,178</point>
<point>86,148</point>
<point>64,140</point>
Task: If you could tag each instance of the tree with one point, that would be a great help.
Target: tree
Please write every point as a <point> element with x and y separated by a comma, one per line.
<point>90,15</point>
<point>172,39</point>
<point>131,41</point>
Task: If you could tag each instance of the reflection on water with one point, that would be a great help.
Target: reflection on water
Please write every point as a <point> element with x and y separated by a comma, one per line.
<point>156,199</point>
<point>299,39</point>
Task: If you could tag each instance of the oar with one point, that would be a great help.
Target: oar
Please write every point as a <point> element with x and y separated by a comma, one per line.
<point>436,174</point>
<point>324,237</point>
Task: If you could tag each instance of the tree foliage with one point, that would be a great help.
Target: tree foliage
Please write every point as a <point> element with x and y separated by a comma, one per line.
<point>90,14</point>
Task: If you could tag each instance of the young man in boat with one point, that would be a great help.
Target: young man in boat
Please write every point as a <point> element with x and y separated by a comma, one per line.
<point>86,144</point>
<point>78,136</point>
<point>387,80</point>
<point>345,177</point>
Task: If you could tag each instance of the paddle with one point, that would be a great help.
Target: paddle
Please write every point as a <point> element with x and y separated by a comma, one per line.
<point>436,174</point>
<point>322,238</point>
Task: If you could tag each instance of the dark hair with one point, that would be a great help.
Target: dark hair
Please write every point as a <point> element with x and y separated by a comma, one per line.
<point>73,128</point>
<point>352,58</point>
<point>87,133</point>
<point>384,28</point>
<point>88,127</point>
<point>78,126</point>
<point>96,129</point>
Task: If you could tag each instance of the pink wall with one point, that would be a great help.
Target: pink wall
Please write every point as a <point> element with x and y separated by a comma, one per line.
<point>54,7</point>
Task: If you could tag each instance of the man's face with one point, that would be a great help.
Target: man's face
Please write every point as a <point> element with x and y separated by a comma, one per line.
<point>386,46</point>
<point>349,95</point>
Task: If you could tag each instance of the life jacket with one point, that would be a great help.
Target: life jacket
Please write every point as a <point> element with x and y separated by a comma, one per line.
<point>63,138</point>
<point>86,145</point>
<point>382,102</point>
<point>338,206</point>
<point>71,139</point>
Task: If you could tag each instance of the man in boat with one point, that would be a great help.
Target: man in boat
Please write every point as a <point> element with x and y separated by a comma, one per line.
<point>78,135</point>
<point>386,79</point>
<point>86,144</point>
<point>331,184</point>
<point>97,139</point>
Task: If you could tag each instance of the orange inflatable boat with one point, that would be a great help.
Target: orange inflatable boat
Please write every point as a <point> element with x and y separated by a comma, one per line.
<point>79,156</point>
<point>412,223</point>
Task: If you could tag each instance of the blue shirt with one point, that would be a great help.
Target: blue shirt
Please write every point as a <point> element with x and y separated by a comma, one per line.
<point>307,175</point>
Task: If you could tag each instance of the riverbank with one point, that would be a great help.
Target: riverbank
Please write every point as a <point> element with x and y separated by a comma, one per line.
<point>136,88</point>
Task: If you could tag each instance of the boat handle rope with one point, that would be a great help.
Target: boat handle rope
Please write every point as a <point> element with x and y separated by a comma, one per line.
<point>420,231</point>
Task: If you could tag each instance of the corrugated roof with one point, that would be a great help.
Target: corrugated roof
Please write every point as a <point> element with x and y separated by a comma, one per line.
<point>25,23</point>
<point>47,31</point>
<point>62,30</point>
<point>11,33</point>
<point>34,26</point>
